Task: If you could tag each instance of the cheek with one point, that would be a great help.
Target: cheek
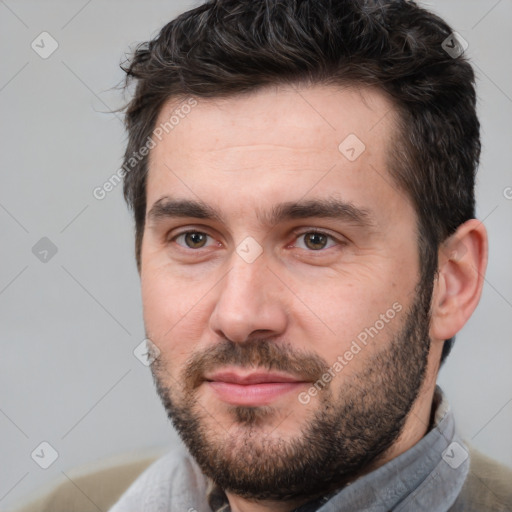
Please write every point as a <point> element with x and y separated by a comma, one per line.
<point>363,309</point>
<point>175,311</point>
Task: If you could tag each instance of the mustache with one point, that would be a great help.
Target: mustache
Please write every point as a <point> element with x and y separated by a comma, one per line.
<point>254,353</point>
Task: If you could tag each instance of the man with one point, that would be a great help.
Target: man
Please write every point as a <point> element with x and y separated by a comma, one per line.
<point>302,179</point>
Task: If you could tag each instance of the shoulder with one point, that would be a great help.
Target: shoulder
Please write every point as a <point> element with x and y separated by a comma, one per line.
<point>173,482</point>
<point>488,486</point>
<point>92,486</point>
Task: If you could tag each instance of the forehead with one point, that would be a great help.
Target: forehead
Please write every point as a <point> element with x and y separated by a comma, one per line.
<point>299,116</point>
<point>274,144</point>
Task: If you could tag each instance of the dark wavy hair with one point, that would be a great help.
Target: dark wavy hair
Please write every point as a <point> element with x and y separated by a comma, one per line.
<point>228,47</point>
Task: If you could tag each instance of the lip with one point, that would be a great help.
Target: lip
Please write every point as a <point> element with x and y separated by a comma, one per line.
<point>252,389</point>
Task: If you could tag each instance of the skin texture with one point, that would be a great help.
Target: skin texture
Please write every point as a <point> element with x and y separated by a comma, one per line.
<point>242,157</point>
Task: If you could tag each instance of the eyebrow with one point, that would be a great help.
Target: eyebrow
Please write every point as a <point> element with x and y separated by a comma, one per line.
<point>322,208</point>
<point>167,207</point>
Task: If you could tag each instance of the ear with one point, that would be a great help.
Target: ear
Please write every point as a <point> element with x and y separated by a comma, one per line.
<point>460,279</point>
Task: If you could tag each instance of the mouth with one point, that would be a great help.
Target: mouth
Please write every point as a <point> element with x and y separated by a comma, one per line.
<point>252,389</point>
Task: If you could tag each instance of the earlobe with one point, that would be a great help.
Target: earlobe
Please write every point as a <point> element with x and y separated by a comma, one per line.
<point>459,283</point>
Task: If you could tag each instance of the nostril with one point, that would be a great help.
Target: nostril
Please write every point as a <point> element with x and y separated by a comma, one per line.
<point>262,333</point>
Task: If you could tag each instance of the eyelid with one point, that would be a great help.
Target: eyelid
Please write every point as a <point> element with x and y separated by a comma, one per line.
<point>339,239</point>
<point>172,233</point>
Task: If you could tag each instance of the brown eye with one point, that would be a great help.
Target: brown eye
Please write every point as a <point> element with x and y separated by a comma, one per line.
<point>315,241</point>
<point>194,239</point>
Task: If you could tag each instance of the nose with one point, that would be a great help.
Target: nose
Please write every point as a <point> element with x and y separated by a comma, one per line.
<point>249,303</point>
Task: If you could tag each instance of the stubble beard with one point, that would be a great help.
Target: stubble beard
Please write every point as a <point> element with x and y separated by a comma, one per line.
<point>342,435</point>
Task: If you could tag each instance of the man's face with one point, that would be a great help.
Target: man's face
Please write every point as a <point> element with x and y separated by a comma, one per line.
<point>279,278</point>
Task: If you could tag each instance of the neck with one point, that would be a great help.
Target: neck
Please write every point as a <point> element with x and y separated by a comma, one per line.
<point>418,420</point>
<point>238,504</point>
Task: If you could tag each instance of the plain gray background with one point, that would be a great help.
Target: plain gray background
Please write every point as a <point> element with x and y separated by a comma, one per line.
<point>69,325</point>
